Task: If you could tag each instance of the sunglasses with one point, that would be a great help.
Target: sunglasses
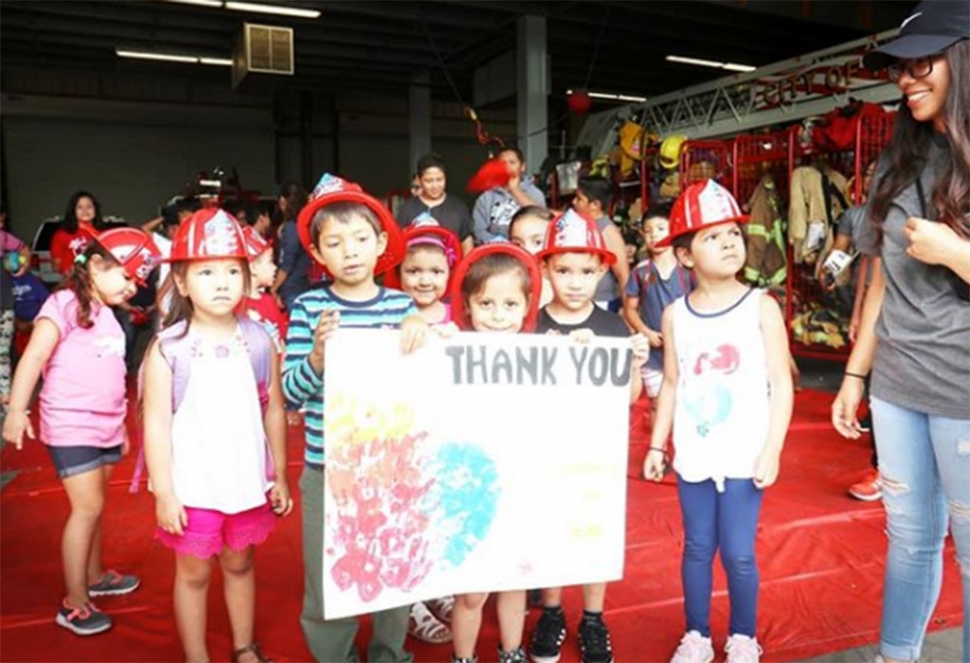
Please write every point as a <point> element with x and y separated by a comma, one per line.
<point>917,68</point>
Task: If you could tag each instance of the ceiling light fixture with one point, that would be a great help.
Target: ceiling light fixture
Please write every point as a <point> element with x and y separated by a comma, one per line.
<point>170,57</point>
<point>165,57</point>
<point>201,3</point>
<point>729,66</point>
<point>272,9</point>
<point>612,96</point>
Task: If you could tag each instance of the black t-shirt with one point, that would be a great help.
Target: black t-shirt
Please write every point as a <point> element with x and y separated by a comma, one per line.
<point>600,322</point>
<point>452,214</point>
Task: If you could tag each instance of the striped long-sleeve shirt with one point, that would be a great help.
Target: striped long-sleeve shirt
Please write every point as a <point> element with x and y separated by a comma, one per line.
<point>302,386</point>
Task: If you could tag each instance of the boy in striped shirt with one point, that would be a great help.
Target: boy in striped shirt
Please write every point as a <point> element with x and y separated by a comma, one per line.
<point>354,238</point>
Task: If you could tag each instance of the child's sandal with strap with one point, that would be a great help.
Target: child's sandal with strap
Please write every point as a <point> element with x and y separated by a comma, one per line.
<point>252,648</point>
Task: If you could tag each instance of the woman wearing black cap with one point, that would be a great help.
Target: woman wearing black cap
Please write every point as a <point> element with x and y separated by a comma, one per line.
<point>915,330</point>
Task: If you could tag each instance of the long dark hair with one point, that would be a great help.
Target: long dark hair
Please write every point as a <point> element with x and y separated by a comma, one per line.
<point>70,222</point>
<point>295,196</point>
<point>79,280</point>
<point>906,152</point>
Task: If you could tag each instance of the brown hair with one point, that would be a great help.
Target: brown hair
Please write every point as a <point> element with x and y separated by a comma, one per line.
<point>179,306</point>
<point>79,280</point>
<point>342,212</point>
<point>480,271</point>
<point>905,154</point>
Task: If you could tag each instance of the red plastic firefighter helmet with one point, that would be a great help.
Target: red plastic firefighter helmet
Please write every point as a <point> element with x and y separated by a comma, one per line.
<point>571,232</point>
<point>702,205</point>
<point>208,233</point>
<point>460,314</point>
<point>133,248</point>
<point>332,189</point>
<point>256,244</point>
<point>428,233</point>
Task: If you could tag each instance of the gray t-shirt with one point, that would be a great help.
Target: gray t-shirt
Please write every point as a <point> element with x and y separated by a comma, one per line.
<point>494,210</point>
<point>922,358</point>
<point>608,288</point>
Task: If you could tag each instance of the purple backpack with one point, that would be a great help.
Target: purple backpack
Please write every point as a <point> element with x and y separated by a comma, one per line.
<point>176,347</point>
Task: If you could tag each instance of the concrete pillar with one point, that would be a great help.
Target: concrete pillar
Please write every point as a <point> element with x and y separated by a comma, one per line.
<point>419,118</point>
<point>531,89</point>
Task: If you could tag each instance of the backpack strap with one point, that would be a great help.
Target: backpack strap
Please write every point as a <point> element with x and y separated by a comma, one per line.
<point>259,345</point>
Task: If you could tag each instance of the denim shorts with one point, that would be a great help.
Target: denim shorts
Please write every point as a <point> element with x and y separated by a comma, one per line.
<point>69,461</point>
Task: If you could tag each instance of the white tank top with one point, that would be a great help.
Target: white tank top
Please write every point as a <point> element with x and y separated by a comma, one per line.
<point>219,453</point>
<point>722,407</point>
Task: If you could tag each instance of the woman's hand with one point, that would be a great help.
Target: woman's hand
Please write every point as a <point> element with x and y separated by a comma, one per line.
<point>930,242</point>
<point>845,407</point>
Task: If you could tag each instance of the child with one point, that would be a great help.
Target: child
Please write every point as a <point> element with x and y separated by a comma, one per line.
<point>14,263</point>
<point>354,237</point>
<point>214,431</point>
<point>258,304</point>
<point>653,285</point>
<point>496,290</point>
<point>575,257</point>
<point>727,393</point>
<point>429,262</point>
<point>528,230</point>
<point>592,199</point>
<point>82,420</point>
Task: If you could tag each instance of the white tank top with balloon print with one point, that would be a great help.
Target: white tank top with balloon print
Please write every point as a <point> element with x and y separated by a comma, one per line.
<point>722,408</point>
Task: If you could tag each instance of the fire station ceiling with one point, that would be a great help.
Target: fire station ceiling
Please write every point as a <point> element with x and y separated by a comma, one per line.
<point>381,45</point>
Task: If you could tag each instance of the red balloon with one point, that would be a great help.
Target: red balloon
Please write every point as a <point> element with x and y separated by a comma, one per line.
<point>579,102</point>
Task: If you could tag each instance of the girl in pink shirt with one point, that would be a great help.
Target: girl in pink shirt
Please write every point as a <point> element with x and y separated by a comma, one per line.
<point>79,348</point>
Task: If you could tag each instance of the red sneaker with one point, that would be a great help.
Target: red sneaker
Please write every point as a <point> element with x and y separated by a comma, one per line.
<point>869,489</point>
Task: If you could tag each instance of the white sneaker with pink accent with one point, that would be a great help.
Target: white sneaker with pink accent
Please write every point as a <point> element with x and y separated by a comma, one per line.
<point>694,648</point>
<point>742,649</point>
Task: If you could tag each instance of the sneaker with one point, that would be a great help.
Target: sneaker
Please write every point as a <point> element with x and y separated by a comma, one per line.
<point>694,648</point>
<point>517,655</point>
<point>548,637</point>
<point>112,583</point>
<point>869,489</point>
<point>470,659</point>
<point>83,621</point>
<point>594,641</point>
<point>742,649</point>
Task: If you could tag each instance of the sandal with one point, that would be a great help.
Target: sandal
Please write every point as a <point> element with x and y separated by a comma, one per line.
<point>252,648</point>
<point>442,608</point>
<point>424,626</point>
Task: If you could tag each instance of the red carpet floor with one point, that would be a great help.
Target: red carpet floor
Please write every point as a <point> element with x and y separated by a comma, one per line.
<point>821,557</point>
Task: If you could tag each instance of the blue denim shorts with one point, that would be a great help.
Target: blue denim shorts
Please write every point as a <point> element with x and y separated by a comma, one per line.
<point>69,461</point>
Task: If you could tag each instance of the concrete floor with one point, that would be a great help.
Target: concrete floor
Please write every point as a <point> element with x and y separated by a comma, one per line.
<point>939,647</point>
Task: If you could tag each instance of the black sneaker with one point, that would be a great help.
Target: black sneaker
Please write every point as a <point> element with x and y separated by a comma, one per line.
<point>594,641</point>
<point>548,637</point>
<point>83,621</point>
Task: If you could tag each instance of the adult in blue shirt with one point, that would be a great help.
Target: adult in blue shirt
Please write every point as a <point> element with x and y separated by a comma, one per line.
<point>293,278</point>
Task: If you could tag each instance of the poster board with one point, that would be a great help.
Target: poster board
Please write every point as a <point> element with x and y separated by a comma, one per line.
<point>478,463</point>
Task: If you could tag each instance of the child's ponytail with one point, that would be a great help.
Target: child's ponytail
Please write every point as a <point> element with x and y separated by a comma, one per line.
<point>79,281</point>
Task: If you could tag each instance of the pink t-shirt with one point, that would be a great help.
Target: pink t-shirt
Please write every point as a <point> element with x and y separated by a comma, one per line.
<point>83,400</point>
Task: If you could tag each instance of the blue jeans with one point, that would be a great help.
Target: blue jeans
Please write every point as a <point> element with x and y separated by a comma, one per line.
<point>728,521</point>
<point>924,461</point>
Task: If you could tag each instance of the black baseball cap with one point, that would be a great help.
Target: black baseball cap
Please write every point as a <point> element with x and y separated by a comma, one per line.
<point>933,26</point>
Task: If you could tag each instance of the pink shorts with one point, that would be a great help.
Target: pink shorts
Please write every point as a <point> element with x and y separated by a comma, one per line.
<point>209,531</point>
